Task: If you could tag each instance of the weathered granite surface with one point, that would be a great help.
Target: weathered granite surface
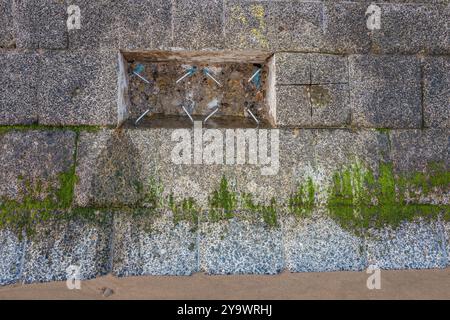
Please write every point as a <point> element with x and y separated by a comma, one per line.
<point>198,24</point>
<point>317,244</point>
<point>447,240</point>
<point>40,24</point>
<point>11,252</point>
<point>414,149</point>
<point>58,245</point>
<point>385,91</point>
<point>437,93</point>
<point>293,106</point>
<point>154,245</point>
<point>417,245</point>
<point>412,28</point>
<point>240,246</point>
<point>78,88</point>
<point>6,24</point>
<point>19,82</point>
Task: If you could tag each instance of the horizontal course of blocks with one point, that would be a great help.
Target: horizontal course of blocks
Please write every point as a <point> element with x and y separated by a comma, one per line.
<point>330,26</point>
<point>129,246</point>
<point>312,90</point>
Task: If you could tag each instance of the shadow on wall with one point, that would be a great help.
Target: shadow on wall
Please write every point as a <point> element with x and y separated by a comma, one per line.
<point>118,179</point>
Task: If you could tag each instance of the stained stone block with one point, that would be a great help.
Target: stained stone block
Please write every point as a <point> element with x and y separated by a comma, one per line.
<point>244,245</point>
<point>293,106</point>
<point>247,25</point>
<point>32,158</point>
<point>78,88</point>
<point>385,91</point>
<point>40,24</point>
<point>19,81</point>
<point>412,28</point>
<point>58,245</point>
<point>11,251</point>
<point>318,244</point>
<point>6,24</point>
<point>330,105</point>
<point>337,149</point>
<point>198,24</point>
<point>154,245</point>
<point>437,93</point>
<point>313,106</point>
<point>414,245</point>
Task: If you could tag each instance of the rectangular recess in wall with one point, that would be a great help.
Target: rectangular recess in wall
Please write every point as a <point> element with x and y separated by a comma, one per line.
<point>227,88</point>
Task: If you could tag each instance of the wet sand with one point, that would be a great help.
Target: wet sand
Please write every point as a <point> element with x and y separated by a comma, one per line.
<point>405,284</point>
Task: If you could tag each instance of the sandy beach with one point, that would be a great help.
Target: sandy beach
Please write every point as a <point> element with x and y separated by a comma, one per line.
<point>404,284</point>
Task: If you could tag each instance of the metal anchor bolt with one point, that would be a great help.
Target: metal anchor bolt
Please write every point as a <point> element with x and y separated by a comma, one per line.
<point>140,68</point>
<point>143,115</point>
<point>190,117</point>
<point>254,75</point>
<point>190,72</point>
<point>253,116</point>
<point>210,115</point>
<point>206,72</point>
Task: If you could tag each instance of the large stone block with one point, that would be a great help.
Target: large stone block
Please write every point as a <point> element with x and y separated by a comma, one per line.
<point>110,169</point>
<point>100,24</point>
<point>344,25</point>
<point>313,106</point>
<point>247,25</point>
<point>412,28</point>
<point>154,245</point>
<point>119,167</point>
<point>413,245</point>
<point>241,245</point>
<point>292,68</point>
<point>32,161</point>
<point>18,82</point>
<point>437,93</point>
<point>11,252</point>
<point>328,69</point>
<point>318,244</point>
<point>330,105</point>
<point>293,106</point>
<point>338,149</point>
<point>6,24</point>
<point>40,24</point>
<point>59,245</point>
<point>414,150</point>
<point>385,91</point>
<point>296,25</point>
<point>78,88</point>
<point>198,24</point>
<point>106,24</point>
